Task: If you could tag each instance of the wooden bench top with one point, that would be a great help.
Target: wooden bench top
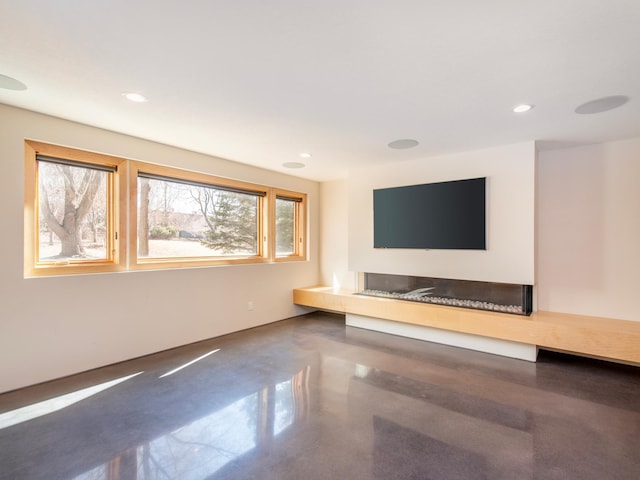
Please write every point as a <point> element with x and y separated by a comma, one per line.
<point>607,338</point>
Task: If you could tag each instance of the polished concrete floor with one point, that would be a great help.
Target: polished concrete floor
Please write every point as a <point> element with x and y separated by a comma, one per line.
<point>308,398</point>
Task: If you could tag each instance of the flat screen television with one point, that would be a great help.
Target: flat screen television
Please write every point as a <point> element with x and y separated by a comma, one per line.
<point>444,215</point>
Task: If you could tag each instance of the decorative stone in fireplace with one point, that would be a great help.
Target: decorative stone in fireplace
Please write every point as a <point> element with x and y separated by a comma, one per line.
<point>492,296</point>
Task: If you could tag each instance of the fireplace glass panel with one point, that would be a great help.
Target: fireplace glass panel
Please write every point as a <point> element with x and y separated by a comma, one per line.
<point>493,296</point>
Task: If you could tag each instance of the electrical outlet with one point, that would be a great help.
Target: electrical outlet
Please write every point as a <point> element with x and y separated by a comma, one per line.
<point>250,305</point>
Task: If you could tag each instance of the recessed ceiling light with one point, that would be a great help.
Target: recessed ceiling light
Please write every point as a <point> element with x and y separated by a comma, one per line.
<point>602,104</point>
<point>293,165</point>
<point>403,143</point>
<point>305,155</point>
<point>11,83</point>
<point>135,97</point>
<point>522,108</point>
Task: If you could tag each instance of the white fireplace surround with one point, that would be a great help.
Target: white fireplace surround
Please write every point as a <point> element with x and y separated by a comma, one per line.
<point>505,348</point>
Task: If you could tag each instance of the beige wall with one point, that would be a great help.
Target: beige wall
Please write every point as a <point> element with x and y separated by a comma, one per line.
<point>588,254</point>
<point>589,230</point>
<point>334,225</point>
<point>56,326</point>
<point>509,257</point>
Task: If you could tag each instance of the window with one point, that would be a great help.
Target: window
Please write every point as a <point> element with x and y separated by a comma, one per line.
<point>289,225</point>
<point>177,219</point>
<point>285,221</point>
<point>71,212</point>
<point>76,209</point>
<point>184,217</point>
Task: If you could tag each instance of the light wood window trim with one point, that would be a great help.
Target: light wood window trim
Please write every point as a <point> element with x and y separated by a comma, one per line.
<point>123,215</point>
<point>116,223</point>
<point>135,263</point>
<point>300,225</point>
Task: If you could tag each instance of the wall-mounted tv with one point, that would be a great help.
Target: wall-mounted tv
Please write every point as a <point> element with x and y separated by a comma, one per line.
<point>444,215</point>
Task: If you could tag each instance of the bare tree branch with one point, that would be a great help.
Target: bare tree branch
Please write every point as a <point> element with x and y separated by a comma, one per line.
<point>48,216</point>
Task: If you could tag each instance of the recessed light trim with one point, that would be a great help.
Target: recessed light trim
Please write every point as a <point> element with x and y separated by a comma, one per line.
<point>305,155</point>
<point>403,143</point>
<point>135,97</point>
<point>522,108</point>
<point>293,165</point>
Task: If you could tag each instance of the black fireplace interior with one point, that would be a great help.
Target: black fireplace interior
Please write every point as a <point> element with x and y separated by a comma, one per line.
<point>492,296</point>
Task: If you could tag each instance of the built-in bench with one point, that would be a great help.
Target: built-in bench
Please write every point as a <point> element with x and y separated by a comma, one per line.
<point>606,338</point>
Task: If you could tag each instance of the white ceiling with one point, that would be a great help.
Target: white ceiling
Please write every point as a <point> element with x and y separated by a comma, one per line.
<point>261,81</point>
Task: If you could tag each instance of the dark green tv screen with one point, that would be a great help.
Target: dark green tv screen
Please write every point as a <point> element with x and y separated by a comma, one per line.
<point>444,215</point>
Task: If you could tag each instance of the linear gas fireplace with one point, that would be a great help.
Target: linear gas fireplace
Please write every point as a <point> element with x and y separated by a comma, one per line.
<point>492,296</point>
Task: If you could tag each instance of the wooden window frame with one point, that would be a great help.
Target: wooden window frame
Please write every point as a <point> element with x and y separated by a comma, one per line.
<point>122,223</point>
<point>136,263</point>
<point>300,225</point>
<point>115,260</point>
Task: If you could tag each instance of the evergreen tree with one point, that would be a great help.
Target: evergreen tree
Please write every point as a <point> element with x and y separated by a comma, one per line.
<point>232,221</point>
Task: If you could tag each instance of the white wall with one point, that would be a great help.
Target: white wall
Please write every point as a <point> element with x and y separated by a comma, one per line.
<point>56,326</point>
<point>589,230</point>
<point>334,225</point>
<point>510,172</point>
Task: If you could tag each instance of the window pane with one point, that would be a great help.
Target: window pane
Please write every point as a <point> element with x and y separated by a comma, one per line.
<point>73,215</point>
<point>285,226</point>
<point>176,219</point>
